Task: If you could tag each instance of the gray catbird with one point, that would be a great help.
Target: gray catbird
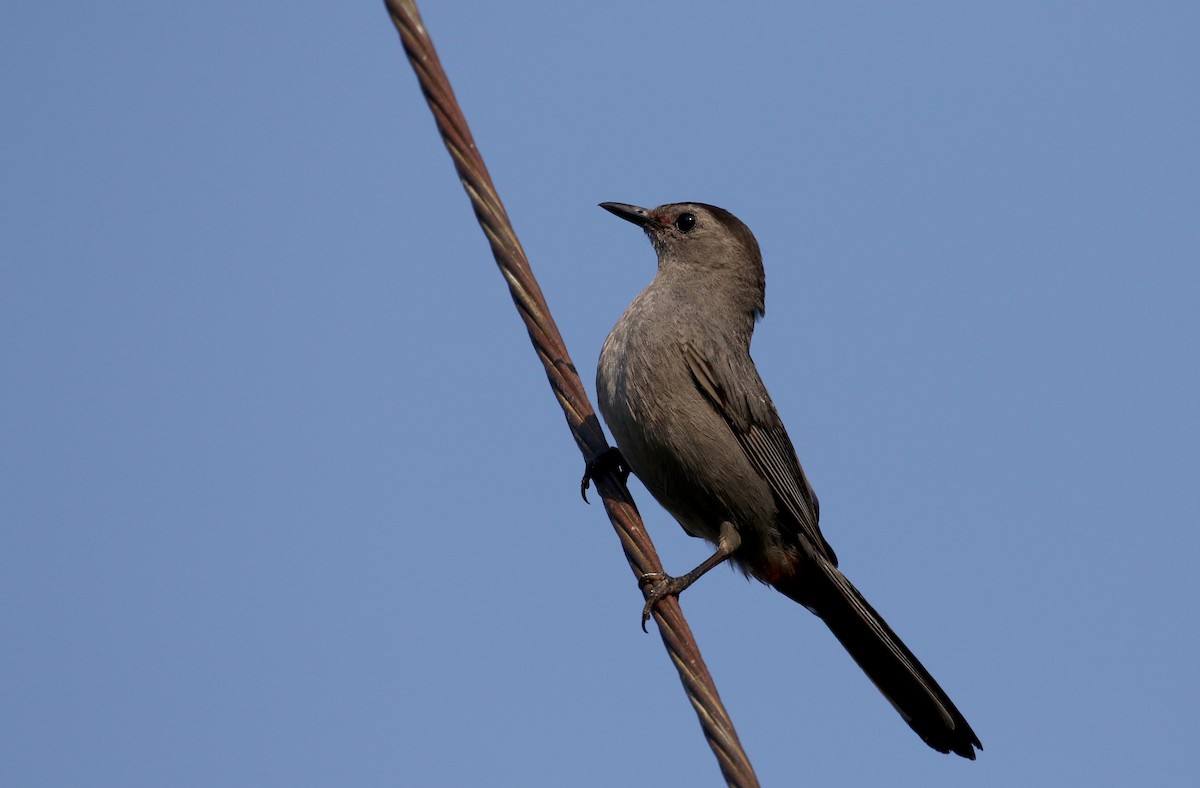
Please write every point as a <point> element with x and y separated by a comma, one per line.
<point>692,419</point>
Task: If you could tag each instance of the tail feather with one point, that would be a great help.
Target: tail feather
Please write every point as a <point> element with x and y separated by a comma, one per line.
<point>885,659</point>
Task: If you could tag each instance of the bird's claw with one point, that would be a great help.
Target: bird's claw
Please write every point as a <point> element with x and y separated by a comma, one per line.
<point>607,461</point>
<point>657,586</point>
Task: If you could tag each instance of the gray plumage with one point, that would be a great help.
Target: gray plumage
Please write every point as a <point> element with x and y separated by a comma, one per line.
<point>693,420</point>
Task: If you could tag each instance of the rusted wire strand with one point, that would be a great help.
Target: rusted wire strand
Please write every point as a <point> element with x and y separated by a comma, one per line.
<point>567,386</point>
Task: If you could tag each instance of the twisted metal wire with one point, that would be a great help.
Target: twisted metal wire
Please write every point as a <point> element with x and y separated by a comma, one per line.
<point>567,386</point>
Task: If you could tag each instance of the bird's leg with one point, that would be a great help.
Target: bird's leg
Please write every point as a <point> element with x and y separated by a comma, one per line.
<point>658,585</point>
<point>608,461</point>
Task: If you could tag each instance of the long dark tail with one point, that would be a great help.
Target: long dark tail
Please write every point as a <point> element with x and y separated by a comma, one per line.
<point>885,659</point>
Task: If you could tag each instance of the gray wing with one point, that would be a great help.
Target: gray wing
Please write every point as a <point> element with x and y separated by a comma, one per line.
<point>752,419</point>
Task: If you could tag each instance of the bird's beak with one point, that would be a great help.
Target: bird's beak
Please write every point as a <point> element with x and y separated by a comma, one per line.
<point>630,213</point>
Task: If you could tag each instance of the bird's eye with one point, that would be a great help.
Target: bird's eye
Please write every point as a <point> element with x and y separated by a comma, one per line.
<point>685,222</point>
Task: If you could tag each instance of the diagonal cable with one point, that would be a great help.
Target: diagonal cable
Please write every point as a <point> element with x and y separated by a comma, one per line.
<point>567,386</point>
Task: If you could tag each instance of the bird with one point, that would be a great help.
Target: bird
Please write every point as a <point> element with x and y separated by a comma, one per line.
<point>692,419</point>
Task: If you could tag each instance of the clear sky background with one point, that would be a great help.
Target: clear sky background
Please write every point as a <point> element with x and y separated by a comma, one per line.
<point>286,499</point>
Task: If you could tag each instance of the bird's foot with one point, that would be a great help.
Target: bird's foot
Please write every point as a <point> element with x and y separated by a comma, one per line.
<point>608,461</point>
<point>657,586</point>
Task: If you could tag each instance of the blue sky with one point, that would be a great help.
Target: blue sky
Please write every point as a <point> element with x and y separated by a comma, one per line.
<point>287,500</point>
